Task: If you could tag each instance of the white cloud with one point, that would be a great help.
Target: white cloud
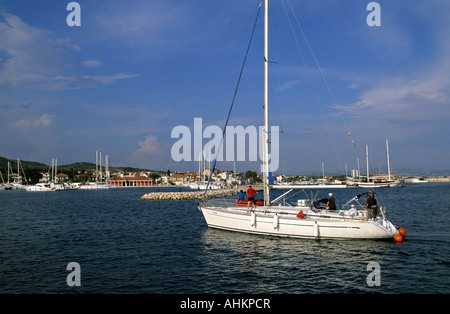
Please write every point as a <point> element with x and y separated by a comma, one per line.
<point>152,154</point>
<point>36,61</point>
<point>421,93</point>
<point>108,79</point>
<point>91,63</point>
<point>66,42</point>
<point>31,55</point>
<point>148,152</point>
<point>288,85</point>
<point>149,146</point>
<point>151,19</point>
<point>414,96</point>
<point>44,120</point>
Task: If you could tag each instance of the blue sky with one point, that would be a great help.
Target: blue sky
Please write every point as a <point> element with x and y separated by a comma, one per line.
<point>135,69</point>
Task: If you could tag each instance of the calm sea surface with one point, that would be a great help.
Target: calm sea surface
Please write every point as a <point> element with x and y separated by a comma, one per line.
<point>127,245</point>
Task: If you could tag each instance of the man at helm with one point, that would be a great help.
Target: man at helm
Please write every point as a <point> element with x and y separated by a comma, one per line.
<point>331,203</point>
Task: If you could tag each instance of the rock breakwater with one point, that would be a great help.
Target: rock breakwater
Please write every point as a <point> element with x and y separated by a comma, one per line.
<point>188,195</point>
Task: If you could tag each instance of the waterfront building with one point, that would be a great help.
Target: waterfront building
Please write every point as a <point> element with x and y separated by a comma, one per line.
<point>137,180</point>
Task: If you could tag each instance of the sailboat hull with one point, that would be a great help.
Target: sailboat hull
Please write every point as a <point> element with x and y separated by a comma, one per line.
<point>263,221</point>
<point>389,184</point>
<point>95,186</point>
<point>40,187</point>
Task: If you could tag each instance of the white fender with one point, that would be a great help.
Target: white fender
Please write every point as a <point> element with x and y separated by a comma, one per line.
<point>253,219</point>
<point>316,230</point>
<point>275,221</point>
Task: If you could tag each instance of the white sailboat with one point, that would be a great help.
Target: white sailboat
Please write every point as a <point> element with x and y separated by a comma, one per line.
<point>384,182</point>
<point>2,185</point>
<point>52,185</point>
<point>14,185</point>
<point>60,186</point>
<point>202,184</point>
<point>40,187</point>
<point>98,184</point>
<point>304,219</point>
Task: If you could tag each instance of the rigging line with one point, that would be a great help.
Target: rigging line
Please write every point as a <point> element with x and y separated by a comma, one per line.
<point>312,86</point>
<point>322,74</point>
<point>279,107</point>
<point>234,97</point>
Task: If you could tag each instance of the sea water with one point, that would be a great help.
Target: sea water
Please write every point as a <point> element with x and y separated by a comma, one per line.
<point>127,245</point>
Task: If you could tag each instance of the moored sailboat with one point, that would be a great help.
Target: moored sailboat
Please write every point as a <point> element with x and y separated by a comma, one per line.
<point>389,181</point>
<point>15,184</point>
<point>40,187</point>
<point>99,184</point>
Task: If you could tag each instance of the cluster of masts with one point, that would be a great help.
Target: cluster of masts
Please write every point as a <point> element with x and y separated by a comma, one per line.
<point>13,180</point>
<point>16,181</point>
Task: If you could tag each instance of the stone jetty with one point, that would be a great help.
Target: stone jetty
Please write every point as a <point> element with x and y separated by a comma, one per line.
<point>188,195</point>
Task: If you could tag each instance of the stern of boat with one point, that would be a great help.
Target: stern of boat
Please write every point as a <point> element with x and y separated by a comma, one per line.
<point>386,226</point>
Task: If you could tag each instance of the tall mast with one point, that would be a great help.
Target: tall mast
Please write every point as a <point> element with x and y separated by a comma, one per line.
<point>100,165</point>
<point>96,166</point>
<point>367,161</point>
<point>266,106</point>
<point>359,171</point>
<point>388,162</point>
<point>107,169</point>
<point>200,167</point>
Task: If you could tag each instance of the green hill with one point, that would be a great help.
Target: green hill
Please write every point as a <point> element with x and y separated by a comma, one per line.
<point>24,164</point>
<point>77,166</point>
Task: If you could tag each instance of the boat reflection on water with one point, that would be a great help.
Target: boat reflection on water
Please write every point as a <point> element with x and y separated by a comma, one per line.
<point>264,264</point>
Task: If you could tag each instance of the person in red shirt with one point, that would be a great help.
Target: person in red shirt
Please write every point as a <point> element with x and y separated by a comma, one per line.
<point>251,196</point>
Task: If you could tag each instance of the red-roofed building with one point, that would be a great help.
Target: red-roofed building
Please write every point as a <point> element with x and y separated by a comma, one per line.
<point>136,181</point>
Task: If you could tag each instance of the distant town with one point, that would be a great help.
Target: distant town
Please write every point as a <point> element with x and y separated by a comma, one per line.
<point>26,172</point>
